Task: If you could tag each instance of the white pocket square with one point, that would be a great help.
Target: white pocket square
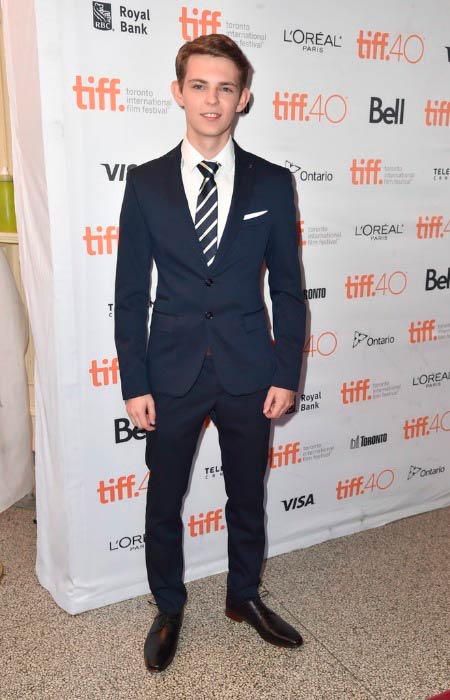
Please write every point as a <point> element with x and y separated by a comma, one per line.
<point>254,214</point>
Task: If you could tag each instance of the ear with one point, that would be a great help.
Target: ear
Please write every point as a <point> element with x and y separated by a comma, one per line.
<point>243,99</point>
<point>177,93</point>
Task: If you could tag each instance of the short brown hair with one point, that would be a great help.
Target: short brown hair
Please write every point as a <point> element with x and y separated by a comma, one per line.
<point>215,45</point>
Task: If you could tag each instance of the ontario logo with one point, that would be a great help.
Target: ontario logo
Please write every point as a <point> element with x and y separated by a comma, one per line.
<point>371,341</point>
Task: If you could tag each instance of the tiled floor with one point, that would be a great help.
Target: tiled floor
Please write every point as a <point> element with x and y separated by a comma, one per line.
<point>374,609</point>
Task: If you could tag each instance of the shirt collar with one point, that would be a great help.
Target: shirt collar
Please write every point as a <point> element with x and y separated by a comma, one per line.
<point>191,157</point>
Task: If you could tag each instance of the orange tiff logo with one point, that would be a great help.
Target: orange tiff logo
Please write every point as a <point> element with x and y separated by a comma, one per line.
<point>422,331</point>
<point>356,391</point>
<point>366,172</point>
<point>196,25</point>
<point>106,374</point>
<point>121,488</point>
<point>101,243</point>
<point>379,46</point>
<point>294,107</point>
<point>357,286</point>
<point>101,94</point>
<point>432,227</point>
<point>205,524</point>
<point>423,425</point>
<point>437,113</point>
<point>284,455</point>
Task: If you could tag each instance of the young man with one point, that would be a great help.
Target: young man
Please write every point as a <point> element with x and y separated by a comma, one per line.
<point>209,214</point>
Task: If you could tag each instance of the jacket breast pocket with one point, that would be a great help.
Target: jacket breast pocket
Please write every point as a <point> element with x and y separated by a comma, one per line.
<point>255,221</point>
<point>163,322</point>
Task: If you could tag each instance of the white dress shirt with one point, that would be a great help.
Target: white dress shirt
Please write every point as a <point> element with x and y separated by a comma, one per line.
<point>192,179</point>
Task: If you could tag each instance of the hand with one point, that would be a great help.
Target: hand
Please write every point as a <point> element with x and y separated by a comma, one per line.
<point>278,401</point>
<point>141,410</point>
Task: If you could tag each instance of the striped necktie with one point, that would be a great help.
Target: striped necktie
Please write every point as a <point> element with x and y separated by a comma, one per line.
<point>206,211</point>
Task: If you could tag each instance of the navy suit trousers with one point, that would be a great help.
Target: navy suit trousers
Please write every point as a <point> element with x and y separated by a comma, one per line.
<point>244,438</point>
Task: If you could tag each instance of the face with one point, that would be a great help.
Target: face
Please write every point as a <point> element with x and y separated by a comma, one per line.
<point>210,96</point>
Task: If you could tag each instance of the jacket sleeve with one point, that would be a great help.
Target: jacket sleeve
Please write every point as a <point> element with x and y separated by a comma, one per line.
<point>132,292</point>
<point>288,307</point>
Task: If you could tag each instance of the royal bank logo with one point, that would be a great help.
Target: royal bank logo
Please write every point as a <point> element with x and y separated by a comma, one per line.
<point>101,16</point>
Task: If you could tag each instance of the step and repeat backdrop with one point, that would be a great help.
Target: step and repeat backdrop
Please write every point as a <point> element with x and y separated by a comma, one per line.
<point>353,99</point>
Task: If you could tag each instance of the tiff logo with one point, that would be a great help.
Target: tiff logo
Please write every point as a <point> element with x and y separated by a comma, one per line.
<point>194,26</point>
<point>289,454</point>
<point>102,96</point>
<point>422,331</point>
<point>366,172</point>
<point>356,391</point>
<point>205,524</point>
<point>416,427</point>
<point>359,286</point>
<point>373,46</point>
<point>106,375</point>
<point>101,243</point>
<point>430,227</point>
<point>438,114</point>
<point>118,489</point>
<point>350,487</point>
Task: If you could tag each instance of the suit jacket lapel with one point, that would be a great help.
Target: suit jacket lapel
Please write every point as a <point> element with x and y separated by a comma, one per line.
<point>243,184</point>
<point>177,195</point>
<point>244,171</point>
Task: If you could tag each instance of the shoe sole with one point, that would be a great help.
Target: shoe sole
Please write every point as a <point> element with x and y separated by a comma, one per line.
<point>238,618</point>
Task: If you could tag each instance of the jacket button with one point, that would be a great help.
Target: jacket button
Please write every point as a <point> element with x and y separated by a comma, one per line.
<point>208,282</point>
<point>209,315</point>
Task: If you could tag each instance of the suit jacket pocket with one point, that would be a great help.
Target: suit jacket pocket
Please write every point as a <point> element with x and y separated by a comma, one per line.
<point>255,319</point>
<point>163,322</point>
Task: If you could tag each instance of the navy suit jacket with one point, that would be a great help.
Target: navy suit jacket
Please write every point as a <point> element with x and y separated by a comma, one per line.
<point>197,306</point>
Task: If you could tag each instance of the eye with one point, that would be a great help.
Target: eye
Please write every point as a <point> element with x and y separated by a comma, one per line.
<point>227,89</point>
<point>197,86</point>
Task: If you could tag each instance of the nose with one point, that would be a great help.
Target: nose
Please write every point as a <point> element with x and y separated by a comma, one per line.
<point>211,96</point>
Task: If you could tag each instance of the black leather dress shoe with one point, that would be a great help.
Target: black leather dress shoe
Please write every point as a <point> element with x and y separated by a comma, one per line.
<point>161,643</point>
<point>267,623</point>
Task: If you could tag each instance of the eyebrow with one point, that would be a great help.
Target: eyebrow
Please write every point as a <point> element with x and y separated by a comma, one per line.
<point>205,82</point>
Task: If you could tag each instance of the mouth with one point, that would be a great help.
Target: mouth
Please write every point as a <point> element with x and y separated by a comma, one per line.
<point>211,116</point>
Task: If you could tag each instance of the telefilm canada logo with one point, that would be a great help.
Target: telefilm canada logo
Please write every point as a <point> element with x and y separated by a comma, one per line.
<point>131,21</point>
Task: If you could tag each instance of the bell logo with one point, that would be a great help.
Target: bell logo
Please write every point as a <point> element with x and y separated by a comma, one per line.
<point>388,115</point>
<point>437,113</point>
<point>100,95</point>
<point>106,375</point>
<point>422,331</point>
<point>205,524</point>
<point>101,243</point>
<point>353,392</point>
<point>366,172</point>
<point>194,26</point>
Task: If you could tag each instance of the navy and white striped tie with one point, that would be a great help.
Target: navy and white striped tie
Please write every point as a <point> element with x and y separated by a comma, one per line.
<point>206,211</point>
